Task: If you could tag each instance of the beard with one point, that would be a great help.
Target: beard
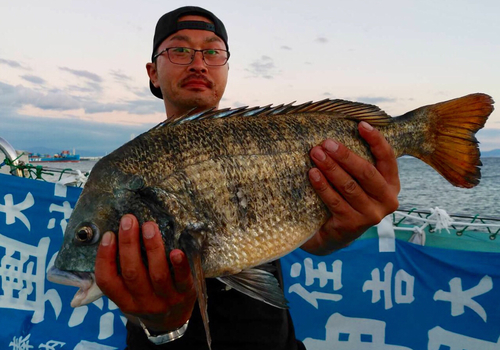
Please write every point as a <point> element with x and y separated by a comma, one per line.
<point>192,100</point>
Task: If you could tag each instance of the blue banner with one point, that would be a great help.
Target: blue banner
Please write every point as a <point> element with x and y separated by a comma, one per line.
<point>35,313</point>
<point>371,295</point>
<point>407,297</point>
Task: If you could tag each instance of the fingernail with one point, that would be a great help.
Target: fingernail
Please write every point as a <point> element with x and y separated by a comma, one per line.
<point>331,146</point>
<point>318,154</point>
<point>148,231</point>
<point>314,173</point>
<point>366,126</point>
<point>106,239</point>
<point>176,258</point>
<point>126,223</point>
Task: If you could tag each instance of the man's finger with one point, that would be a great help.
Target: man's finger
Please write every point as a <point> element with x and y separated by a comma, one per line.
<point>341,177</point>
<point>159,272</point>
<point>385,159</point>
<point>328,195</point>
<point>182,273</point>
<point>106,272</point>
<point>133,271</point>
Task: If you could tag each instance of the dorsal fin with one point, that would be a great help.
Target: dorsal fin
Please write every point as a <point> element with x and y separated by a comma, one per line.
<point>344,109</point>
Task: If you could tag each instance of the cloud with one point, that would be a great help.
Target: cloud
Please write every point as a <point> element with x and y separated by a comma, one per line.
<point>237,104</point>
<point>119,76</point>
<point>321,40</point>
<point>83,73</point>
<point>127,82</point>
<point>71,129</point>
<point>374,100</point>
<point>89,87</point>
<point>284,47</point>
<point>13,97</point>
<point>33,79</point>
<point>144,92</point>
<point>88,138</point>
<point>16,97</point>
<point>263,67</point>
<point>140,107</point>
<point>13,64</point>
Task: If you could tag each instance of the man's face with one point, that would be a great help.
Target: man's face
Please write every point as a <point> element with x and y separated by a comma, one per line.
<point>195,85</point>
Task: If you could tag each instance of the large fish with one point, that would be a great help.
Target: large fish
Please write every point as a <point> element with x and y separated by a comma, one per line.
<point>230,187</point>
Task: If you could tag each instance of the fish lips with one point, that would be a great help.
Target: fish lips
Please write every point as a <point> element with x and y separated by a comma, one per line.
<point>88,292</point>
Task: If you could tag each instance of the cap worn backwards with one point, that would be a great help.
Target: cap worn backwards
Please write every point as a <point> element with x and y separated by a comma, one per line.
<point>169,24</point>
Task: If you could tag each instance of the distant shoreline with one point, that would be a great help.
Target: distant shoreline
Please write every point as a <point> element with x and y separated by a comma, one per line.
<point>492,153</point>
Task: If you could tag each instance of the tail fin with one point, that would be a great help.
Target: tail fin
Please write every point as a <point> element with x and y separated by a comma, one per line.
<point>454,123</point>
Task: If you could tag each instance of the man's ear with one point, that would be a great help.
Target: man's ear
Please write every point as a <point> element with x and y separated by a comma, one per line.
<point>152,73</point>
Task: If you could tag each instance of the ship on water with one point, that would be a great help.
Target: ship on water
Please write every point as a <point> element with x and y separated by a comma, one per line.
<point>64,156</point>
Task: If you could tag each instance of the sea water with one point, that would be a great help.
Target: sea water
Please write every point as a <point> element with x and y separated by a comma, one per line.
<point>421,188</point>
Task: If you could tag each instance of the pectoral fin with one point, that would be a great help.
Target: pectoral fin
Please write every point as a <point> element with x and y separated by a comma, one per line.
<point>191,245</point>
<point>258,284</point>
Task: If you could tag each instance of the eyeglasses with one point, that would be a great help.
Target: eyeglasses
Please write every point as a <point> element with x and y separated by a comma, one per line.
<point>185,56</point>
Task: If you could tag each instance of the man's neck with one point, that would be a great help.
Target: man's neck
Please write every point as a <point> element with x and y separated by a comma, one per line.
<point>177,112</point>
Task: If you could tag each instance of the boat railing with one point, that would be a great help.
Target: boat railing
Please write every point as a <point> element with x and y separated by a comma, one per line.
<point>12,160</point>
<point>438,219</point>
<point>65,176</point>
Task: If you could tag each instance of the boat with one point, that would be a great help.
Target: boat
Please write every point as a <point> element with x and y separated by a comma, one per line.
<point>64,156</point>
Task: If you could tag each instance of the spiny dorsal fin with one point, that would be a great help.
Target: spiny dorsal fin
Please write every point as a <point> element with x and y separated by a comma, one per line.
<point>344,109</point>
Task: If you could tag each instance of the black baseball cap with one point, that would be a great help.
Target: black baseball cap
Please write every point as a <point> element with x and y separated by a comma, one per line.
<point>169,23</point>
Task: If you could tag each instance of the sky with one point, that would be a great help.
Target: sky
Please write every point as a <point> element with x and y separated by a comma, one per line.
<point>73,76</point>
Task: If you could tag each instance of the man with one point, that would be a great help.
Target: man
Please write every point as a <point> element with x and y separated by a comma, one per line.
<point>189,71</point>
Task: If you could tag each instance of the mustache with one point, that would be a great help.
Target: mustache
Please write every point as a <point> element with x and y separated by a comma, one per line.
<point>197,77</point>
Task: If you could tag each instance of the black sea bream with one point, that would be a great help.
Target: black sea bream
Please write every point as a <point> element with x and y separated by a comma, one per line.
<point>230,187</point>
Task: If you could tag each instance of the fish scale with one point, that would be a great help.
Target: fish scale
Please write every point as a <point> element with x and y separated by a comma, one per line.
<point>248,173</point>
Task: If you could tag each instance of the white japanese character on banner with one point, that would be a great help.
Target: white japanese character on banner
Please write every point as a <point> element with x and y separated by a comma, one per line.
<point>66,209</point>
<point>439,337</point>
<point>460,298</point>
<point>352,334</point>
<point>51,345</point>
<point>404,284</point>
<point>320,274</point>
<point>21,343</point>
<point>14,211</point>
<point>22,276</point>
<point>106,321</point>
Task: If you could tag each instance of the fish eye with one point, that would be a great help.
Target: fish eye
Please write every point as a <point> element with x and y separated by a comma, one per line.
<point>86,234</point>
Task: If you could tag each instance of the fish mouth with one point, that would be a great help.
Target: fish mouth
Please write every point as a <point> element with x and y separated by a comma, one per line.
<point>88,290</point>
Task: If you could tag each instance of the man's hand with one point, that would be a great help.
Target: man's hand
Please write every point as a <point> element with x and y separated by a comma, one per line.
<point>163,299</point>
<point>357,193</point>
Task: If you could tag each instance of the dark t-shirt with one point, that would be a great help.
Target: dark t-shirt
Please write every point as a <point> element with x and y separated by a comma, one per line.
<point>236,322</point>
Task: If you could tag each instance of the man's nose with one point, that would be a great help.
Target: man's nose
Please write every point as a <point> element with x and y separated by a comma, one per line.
<point>198,63</point>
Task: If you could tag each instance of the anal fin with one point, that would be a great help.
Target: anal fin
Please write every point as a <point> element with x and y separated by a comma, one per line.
<point>258,284</point>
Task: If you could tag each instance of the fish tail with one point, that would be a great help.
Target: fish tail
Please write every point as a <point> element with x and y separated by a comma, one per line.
<point>450,145</point>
